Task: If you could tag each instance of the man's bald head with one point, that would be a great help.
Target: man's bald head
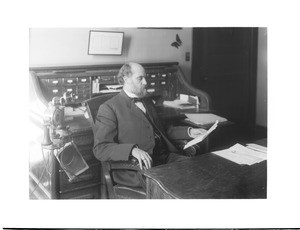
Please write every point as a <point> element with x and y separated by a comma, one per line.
<point>132,77</point>
<point>127,70</point>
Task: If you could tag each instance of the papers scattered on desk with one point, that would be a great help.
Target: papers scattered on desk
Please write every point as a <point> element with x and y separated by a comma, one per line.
<point>183,102</point>
<point>204,118</point>
<point>242,155</point>
<point>110,90</point>
<point>257,147</point>
<point>114,87</point>
<point>178,104</point>
<point>202,137</point>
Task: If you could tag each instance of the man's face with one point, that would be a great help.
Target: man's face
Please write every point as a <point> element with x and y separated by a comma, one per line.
<point>136,83</point>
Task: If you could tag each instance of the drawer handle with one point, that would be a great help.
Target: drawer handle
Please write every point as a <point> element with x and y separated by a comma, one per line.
<point>69,81</point>
<point>163,83</point>
<point>152,83</point>
<point>164,75</point>
<point>55,91</point>
<point>83,80</point>
<point>69,90</point>
<point>55,82</point>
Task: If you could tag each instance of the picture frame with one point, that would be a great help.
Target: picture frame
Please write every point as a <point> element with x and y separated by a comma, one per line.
<point>105,42</point>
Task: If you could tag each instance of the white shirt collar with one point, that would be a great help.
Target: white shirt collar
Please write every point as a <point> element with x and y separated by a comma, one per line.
<point>129,94</point>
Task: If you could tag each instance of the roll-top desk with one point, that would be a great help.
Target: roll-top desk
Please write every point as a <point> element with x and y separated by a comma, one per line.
<point>47,179</point>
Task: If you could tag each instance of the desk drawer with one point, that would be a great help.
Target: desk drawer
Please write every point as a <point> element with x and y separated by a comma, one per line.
<point>70,89</point>
<point>163,83</point>
<point>151,90</point>
<point>54,92</point>
<point>162,75</point>
<point>84,80</point>
<point>53,82</point>
<point>151,84</point>
<point>151,76</point>
<point>87,193</point>
<point>70,81</point>
<point>91,177</point>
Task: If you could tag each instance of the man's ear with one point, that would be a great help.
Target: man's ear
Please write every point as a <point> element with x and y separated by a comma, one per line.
<point>125,78</point>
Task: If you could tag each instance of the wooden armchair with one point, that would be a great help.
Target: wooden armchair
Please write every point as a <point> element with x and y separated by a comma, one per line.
<point>113,190</point>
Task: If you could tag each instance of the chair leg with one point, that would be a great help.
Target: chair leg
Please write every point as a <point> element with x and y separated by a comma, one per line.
<point>148,189</point>
<point>108,181</point>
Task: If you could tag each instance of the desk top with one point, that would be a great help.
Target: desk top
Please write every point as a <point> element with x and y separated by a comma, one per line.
<point>80,123</point>
<point>209,176</point>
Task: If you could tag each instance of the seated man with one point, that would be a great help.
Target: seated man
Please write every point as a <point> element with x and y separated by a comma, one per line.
<point>127,126</point>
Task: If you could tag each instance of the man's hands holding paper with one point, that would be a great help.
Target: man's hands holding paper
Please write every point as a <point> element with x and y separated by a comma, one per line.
<point>194,133</point>
<point>202,136</point>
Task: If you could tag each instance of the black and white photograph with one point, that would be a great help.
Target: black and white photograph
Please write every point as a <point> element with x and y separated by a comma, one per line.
<point>150,115</point>
<point>181,113</point>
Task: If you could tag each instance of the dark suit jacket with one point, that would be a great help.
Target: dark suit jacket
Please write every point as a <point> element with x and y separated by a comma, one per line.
<point>120,125</point>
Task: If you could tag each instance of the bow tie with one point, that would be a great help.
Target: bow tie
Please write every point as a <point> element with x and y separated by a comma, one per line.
<point>136,99</point>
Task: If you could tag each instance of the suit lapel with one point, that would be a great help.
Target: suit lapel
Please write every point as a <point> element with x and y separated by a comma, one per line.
<point>149,112</point>
<point>135,111</point>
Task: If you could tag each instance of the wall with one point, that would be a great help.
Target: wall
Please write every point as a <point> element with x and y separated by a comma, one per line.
<point>68,46</point>
<point>262,73</point>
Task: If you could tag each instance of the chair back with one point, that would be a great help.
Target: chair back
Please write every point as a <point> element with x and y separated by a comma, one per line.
<point>92,106</point>
<point>112,191</point>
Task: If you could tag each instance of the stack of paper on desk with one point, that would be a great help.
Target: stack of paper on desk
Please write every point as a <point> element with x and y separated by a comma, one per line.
<point>183,102</point>
<point>179,104</point>
<point>242,155</point>
<point>114,87</point>
<point>204,118</point>
<point>257,147</point>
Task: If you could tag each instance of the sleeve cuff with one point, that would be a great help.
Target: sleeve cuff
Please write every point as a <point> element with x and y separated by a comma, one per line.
<point>189,131</point>
<point>130,154</point>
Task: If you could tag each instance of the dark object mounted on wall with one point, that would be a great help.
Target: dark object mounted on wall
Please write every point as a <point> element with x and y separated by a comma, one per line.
<point>105,42</point>
<point>178,42</point>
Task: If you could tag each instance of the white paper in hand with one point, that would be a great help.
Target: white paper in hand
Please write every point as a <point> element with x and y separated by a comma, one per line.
<point>202,137</point>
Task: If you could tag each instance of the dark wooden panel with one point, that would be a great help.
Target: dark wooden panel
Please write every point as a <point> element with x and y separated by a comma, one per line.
<point>224,66</point>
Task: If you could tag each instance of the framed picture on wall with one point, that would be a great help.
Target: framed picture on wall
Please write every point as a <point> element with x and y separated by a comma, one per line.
<point>105,42</point>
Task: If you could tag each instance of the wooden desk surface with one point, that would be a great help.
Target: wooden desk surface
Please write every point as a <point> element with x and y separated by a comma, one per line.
<point>207,176</point>
<point>166,112</point>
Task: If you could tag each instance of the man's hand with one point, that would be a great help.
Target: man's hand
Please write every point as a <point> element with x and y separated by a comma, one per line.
<point>197,132</point>
<point>142,157</point>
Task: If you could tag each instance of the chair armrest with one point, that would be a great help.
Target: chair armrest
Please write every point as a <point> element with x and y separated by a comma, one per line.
<point>129,165</point>
<point>107,166</point>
